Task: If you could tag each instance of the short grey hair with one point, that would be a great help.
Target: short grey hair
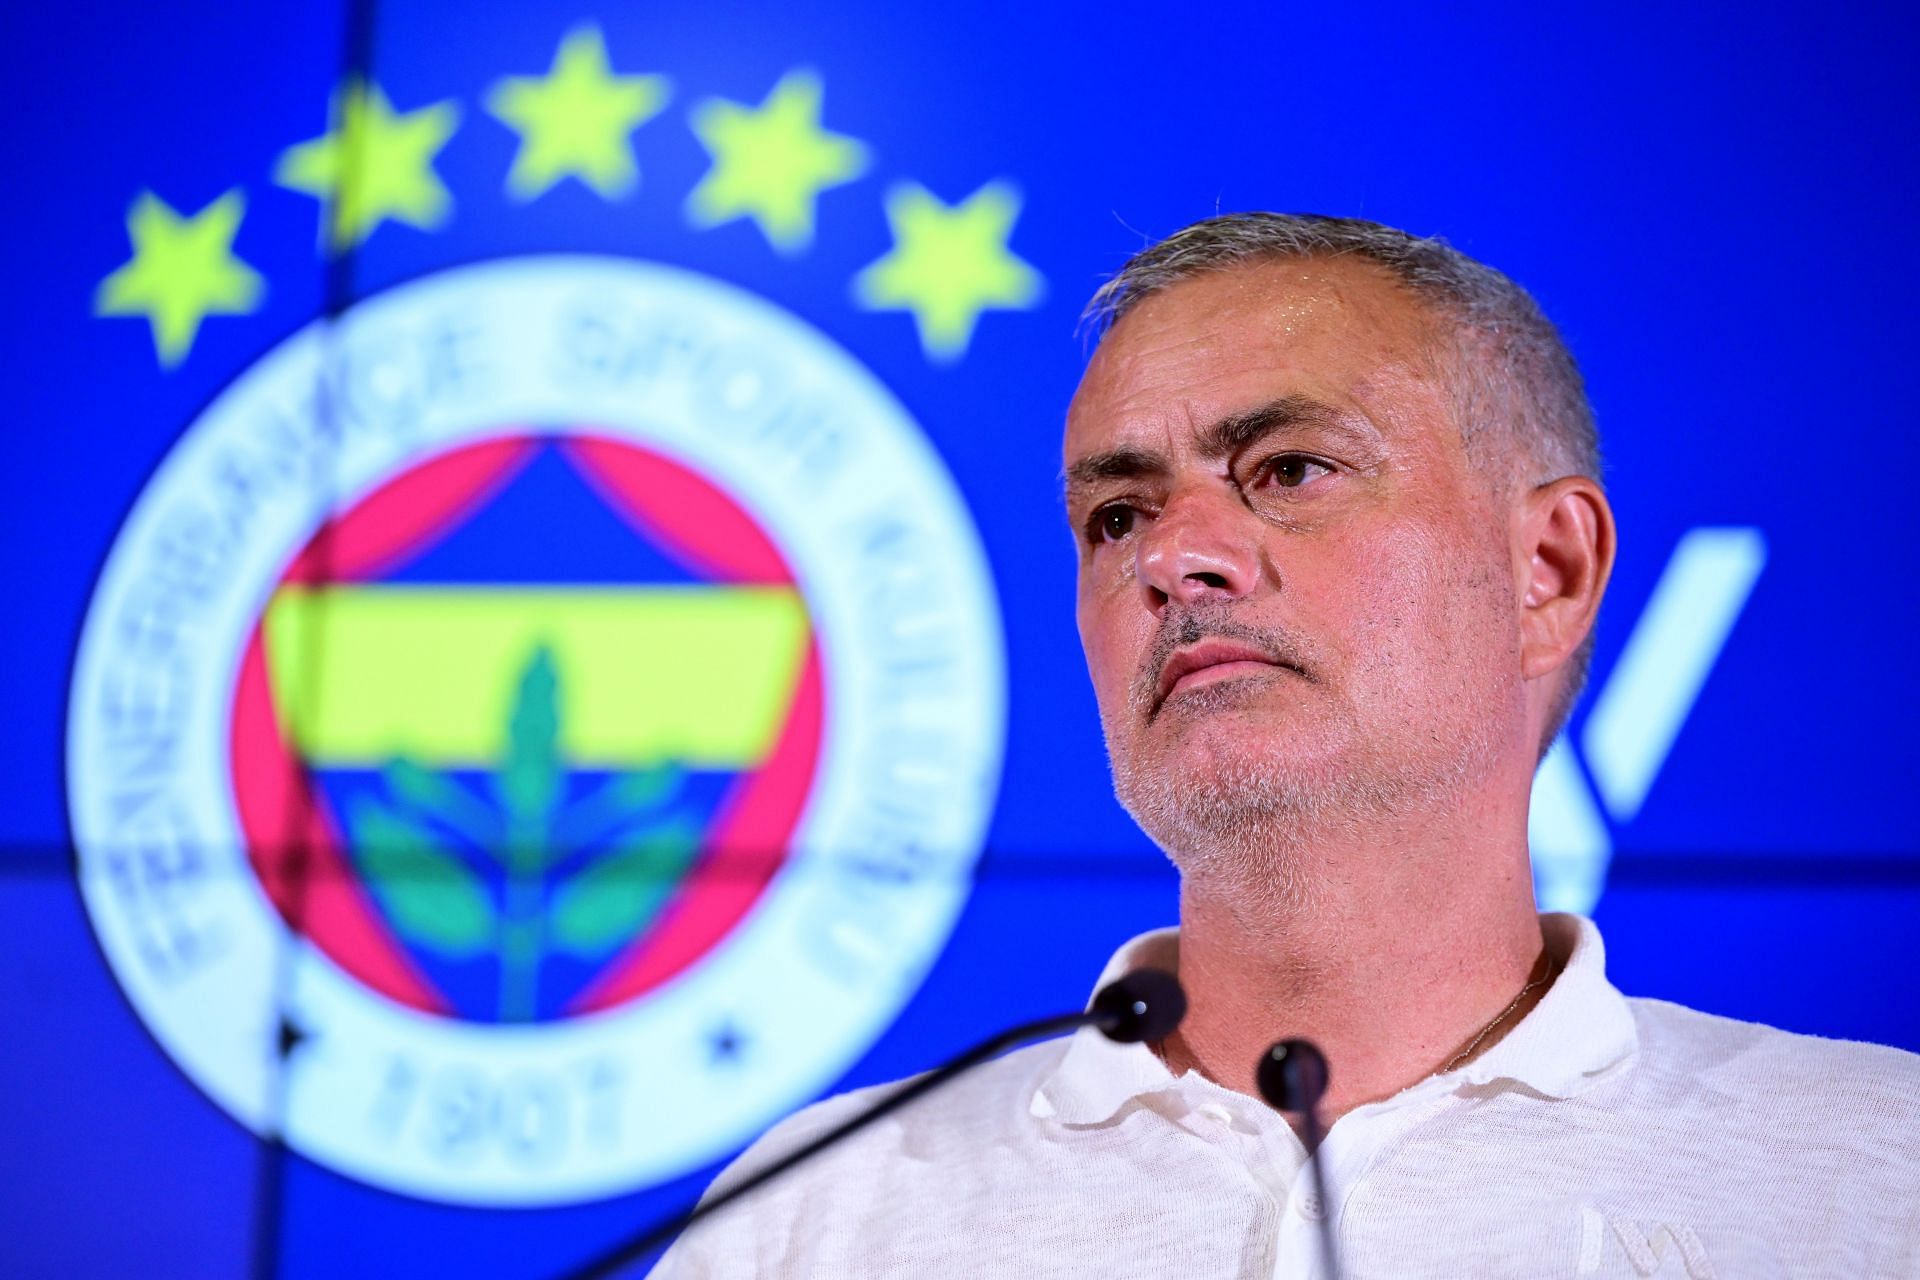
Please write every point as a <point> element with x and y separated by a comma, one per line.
<point>1514,371</point>
<point>1511,370</point>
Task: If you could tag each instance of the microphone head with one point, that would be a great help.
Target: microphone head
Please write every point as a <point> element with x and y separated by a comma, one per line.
<point>1146,1004</point>
<point>1292,1076</point>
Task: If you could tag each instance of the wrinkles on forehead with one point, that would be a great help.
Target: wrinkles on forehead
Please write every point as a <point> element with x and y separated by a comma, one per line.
<point>1213,362</point>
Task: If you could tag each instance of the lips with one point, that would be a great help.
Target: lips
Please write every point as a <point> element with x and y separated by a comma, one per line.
<point>1207,655</point>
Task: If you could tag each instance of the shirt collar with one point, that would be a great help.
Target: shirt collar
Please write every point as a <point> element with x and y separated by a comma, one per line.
<point>1580,1031</point>
<point>1097,1076</point>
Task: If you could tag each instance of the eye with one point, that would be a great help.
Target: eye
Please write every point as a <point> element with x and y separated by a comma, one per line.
<point>1293,470</point>
<point>1110,523</point>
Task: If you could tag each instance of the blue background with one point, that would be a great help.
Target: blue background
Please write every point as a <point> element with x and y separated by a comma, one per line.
<point>1717,205</point>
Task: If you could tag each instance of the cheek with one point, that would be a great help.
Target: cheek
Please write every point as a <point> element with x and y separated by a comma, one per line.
<point>1110,636</point>
<point>1413,589</point>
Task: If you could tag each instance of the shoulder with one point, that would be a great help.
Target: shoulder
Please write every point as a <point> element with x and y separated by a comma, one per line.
<point>1831,1092</point>
<point>1751,1055</point>
<point>980,1104</point>
<point>894,1166</point>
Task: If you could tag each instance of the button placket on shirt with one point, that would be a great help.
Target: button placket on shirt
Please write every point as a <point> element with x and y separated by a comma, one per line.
<point>1366,1136</point>
<point>1347,1156</point>
<point>1239,1143</point>
<point>1277,1160</point>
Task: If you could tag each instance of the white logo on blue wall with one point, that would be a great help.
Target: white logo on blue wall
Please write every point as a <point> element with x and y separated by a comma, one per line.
<point>1637,713</point>
<point>659,718</point>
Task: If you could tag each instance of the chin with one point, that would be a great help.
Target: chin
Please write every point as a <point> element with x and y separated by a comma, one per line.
<point>1228,778</point>
<point>1219,736</point>
<point>1235,822</point>
<point>1267,776</point>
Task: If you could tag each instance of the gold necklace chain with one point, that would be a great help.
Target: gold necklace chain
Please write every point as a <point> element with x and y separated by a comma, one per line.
<point>1498,1018</point>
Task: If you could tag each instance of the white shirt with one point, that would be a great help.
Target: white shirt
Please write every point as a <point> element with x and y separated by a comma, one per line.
<point>1602,1136</point>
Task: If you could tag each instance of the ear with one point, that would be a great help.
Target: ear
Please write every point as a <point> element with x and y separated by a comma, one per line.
<point>1564,555</point>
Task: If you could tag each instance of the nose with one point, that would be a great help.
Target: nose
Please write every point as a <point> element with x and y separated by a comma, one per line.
<point>1198,550</point>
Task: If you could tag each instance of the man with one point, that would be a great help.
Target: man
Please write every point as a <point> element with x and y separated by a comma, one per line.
<point>1342,542</point>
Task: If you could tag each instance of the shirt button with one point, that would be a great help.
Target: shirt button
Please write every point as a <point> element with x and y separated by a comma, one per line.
<point>1310,1207</point>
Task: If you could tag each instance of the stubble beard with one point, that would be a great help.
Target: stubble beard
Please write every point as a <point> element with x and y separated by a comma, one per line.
<point>1239,807</point>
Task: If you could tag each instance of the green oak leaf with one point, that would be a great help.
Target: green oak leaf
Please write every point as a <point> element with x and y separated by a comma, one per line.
<point>430,895</point>
<point>530,778</point>
<point>622,803</point>
<point>613,898</point>
<point>423,791</point>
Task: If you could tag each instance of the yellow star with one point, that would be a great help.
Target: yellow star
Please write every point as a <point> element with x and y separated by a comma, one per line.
<point>574,121</point>
<point>182,271</point>
<point>949,264</point>
<point>772,162</point>
<point>374,166</point>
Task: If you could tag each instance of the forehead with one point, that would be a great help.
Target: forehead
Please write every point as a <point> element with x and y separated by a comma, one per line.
<point>1339,331</point>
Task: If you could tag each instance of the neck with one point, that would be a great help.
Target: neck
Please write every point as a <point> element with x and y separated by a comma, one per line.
<point>1402,947</point>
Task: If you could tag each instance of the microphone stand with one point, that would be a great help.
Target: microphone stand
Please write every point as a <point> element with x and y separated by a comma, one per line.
<point>1144,1005</point>
<point>1292,1077</point>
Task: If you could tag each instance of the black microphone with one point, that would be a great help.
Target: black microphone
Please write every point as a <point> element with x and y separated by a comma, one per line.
<point>1146,1004</point>
<point>1292,1077</point>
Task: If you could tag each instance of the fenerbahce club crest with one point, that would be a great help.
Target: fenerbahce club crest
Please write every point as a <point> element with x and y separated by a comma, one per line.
<point>570,689</point>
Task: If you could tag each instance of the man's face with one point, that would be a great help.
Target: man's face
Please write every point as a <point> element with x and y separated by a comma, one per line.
<point>1296,593</point>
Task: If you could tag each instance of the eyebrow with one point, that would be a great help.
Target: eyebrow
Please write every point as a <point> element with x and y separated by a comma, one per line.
<point>1218,440</point>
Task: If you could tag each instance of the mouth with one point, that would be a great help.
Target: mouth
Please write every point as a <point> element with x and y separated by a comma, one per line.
<point>1211,662</point>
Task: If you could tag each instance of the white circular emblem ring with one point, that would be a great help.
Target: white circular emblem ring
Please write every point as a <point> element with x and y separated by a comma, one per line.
<point>897,590</point>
